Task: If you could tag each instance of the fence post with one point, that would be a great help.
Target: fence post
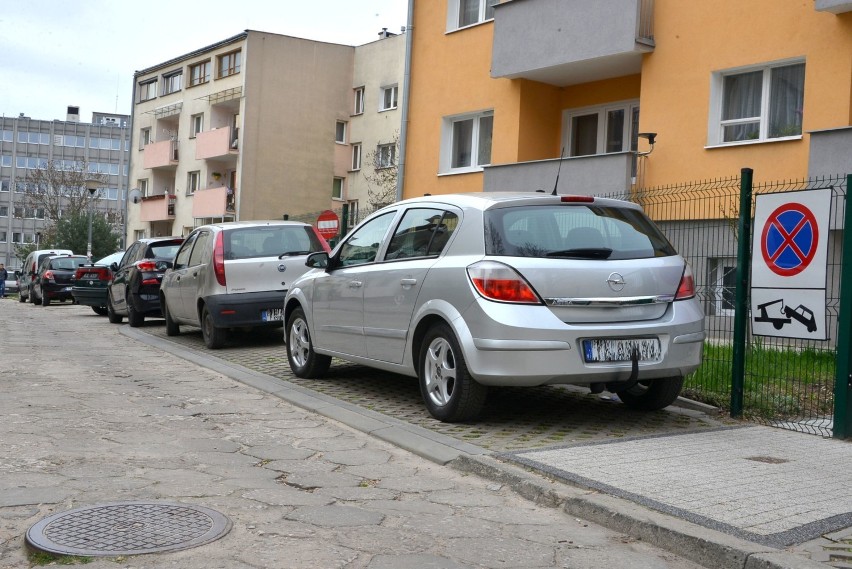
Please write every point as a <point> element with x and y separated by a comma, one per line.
<point>741,299</point>
<point>843,379</point>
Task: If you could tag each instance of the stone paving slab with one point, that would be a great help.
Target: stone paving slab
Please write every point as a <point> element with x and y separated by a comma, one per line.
<point>766,485</point>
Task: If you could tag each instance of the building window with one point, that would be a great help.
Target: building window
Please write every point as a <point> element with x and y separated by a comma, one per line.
<point>4,185</point>
<point>340,132</point>
<point>352,220</point>
<point>144,137</point>
<point>138,234</point>
<point>199,73</point>
<point>723,284</point>
<point>337,189</point>
<point>172,82</point>
<point>466,142</point>
<point>228,64</point>
<point>4,211</point>
<point>759,103</point>
<point>196,125</point>
<point>192,181</point>
<point>356,156</point>
<point>2,236</point>
<point>143,187</point>
<point>147,90</point>
<point>385,155</point>
<point>462,13</point>
<point>602,130</point>
<point>389,98</point>
<point>359,101</point>
<point>17,237</point>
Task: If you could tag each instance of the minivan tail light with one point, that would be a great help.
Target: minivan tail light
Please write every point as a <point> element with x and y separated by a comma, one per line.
<point>501,283</point>
<point>219,259</point>
<point>686,288</point>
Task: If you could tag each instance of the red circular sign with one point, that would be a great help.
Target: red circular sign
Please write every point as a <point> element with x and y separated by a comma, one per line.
<point>789,239</point>
<point>328,224</point>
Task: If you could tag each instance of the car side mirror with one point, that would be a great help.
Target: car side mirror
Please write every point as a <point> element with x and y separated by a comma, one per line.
<point>113,267</point>
<point>317,260</point>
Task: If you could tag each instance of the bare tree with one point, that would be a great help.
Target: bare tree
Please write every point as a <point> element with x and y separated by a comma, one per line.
<point>381,173</point>
<point>59,187</point>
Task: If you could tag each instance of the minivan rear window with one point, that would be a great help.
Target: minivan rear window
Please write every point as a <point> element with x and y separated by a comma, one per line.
<point>270,241</point>
<point>573,231</point>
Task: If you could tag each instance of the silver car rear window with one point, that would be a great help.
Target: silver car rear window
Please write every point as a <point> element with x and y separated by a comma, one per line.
<point>270,241</point>
<point>573,231</point>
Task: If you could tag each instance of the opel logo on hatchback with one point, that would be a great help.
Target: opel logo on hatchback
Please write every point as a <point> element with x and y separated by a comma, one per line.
<point>616,282</point>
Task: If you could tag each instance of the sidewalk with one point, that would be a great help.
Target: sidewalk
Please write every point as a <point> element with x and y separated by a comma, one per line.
<point>726,497</point>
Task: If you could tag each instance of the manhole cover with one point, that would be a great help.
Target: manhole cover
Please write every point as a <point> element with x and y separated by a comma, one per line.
<point>128,528</point>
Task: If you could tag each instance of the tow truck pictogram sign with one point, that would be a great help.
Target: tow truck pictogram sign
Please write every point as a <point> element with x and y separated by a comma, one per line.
<point>789,264</point>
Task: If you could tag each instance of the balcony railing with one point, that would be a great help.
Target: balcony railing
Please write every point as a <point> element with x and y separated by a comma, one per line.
<point>158,208</point>
<point>216,144</point>
<point>567,42</point>
<point>162,154</point>
<point>583,175</point>
<point>213,202</point>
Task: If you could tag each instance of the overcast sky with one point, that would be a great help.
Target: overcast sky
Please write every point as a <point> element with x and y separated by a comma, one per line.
<point>84,52</point>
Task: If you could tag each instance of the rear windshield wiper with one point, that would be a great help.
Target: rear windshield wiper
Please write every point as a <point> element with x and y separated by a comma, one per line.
<point>293,254</point>
<point>583,253</point>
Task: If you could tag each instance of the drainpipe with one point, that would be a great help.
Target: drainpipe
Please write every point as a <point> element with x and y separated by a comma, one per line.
<point>406,89</point>
<point>124,240</point>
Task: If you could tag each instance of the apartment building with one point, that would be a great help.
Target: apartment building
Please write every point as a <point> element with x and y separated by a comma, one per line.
<point>503,92</point>
<point>257,126</point>
<point>27,144</point>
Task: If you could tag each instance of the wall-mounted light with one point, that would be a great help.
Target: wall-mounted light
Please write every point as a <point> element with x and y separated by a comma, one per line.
<point>651,137</point>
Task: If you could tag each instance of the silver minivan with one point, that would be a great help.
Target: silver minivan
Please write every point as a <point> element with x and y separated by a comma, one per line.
<point>235,275</point>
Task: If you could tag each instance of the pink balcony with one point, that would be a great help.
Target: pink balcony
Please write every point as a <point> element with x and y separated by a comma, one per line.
<point>216,143</point>
<point>212,202</point>
<point>158,208</point>
<point>160,155</point>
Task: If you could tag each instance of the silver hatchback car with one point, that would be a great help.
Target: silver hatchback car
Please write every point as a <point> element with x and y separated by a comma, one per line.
<point>467,291</point>
<point>235,275</point>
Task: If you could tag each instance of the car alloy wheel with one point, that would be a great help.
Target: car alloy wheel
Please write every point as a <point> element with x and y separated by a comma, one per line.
<point>304,361</point>
<point>449,392</point>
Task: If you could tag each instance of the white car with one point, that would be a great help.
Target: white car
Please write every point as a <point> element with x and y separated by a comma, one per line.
<point>235,275</point>
<point>467,291</point>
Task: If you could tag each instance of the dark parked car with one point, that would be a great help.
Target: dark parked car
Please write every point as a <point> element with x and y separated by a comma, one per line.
<point>55,277</point>
<point>135,287</point>
<point>90,283</point>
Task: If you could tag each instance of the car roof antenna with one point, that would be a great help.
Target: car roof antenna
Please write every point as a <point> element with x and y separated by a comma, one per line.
<point>558,170</point>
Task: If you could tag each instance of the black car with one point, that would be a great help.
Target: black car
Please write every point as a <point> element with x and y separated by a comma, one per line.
<point>135,287</point>
<point>55,278</point>
<point>90,283</point>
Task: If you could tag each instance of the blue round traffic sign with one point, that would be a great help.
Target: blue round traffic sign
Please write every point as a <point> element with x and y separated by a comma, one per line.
<point>789,239</point>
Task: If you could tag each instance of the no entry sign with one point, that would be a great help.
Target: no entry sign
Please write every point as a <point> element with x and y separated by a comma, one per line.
<point>328,224</point>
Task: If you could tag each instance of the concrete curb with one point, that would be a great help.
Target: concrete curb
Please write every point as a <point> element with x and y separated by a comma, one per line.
<point>707,547</point>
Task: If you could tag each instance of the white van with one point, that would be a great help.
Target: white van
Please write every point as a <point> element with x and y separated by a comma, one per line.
<point>29,270</point>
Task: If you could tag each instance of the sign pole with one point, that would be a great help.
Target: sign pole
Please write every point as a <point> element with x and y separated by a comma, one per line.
<point>741,298</point>
<point>843,378</point>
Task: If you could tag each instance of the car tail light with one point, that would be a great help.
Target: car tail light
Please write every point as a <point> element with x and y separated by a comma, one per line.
<point>686,288</point>
<point>146,265</point>
<point>219,259</point>
<point>578,199</point>
<point>48,275</point>
<point>499,282</point>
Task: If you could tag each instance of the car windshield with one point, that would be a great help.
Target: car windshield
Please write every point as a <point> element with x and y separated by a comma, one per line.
<point>573,231</point>
<point>270,241</point>
<point>67,263</point>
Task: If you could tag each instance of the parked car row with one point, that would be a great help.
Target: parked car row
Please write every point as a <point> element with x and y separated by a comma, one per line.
<point>463,292</point>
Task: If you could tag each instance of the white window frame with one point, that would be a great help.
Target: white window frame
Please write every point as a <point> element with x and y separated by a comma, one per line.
<point>356,157</point>
<point>193,182</point>
<point>486,13</point>
<point>340,132</point>
<point>337,193</point>
<point>628,135</point>
<point>147,90</point>
<point>718,268</point>
<point>359,101</point>
<point>144,137</point>
<point>196,124</point>
<point>385,156</point>
<point>716,130</point>
<point>447,134</point>
<point>393,103</point>
<point>143,187</point>
<point>172,82</point>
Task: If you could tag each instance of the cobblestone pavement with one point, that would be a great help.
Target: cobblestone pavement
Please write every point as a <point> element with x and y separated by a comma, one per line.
<point>91,416</point>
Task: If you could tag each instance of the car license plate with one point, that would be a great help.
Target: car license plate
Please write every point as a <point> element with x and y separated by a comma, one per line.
<point>89,276</point>
<point>621,350</point>
<point>66,289</point>
<point>272,315</point>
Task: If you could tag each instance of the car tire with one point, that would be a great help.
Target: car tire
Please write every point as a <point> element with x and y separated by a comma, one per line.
<point>100,310</point>
<point>451,395</point>
<point>214,338</point>
<point>134,317</point>
<point>111,314</point>
<point>45,301</point>
<point>33,299</point>
<point>172,327</point>
<point>652,395</point>
<point>304,361</point>
<point>21,297</point>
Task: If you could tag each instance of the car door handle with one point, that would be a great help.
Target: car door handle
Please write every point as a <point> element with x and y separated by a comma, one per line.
<point>355,284</point>
<point>408,282</point>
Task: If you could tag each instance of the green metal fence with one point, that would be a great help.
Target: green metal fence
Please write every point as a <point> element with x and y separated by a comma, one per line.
<point>788,383</point>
